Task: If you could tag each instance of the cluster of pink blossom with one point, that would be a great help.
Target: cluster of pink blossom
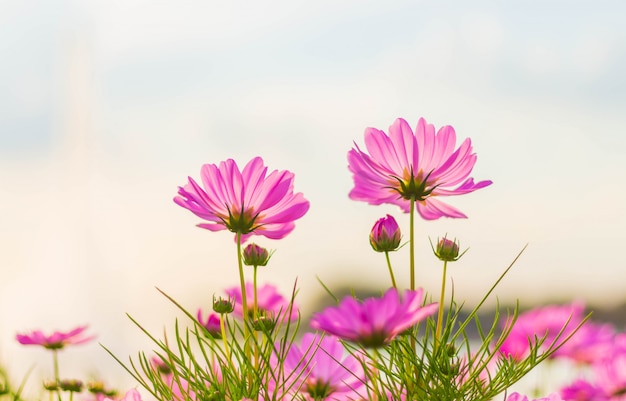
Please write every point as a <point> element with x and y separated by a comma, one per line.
<point>596,351</point>
<point>410,169</point>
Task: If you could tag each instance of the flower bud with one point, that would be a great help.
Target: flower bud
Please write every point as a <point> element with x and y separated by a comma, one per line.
<point>71,385</point>
<point>447,250</point>
<point>264,324</point>
<point>223,305</point>
<point>255,255</point>
<point>385,235</point>
<point>51,385</point>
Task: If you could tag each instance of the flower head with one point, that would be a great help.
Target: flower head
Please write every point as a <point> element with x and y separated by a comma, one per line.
<point>385,235</point>
<point>269,301</point>
<point>447,250</point>
<point>375,321</point>
<point>318,369</point>
<point>211,324</point>
<point>245,202</point>
<point>421,166</point>
<point>56,340</point>
<point>554,322</point>
<point>255,255</point>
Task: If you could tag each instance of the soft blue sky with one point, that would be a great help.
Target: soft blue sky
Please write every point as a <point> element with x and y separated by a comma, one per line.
<point>106,107</point>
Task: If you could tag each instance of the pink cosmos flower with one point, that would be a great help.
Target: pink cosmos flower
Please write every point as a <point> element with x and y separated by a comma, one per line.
<point>211,324</point>
<point>317,370</point>
<point>405,165</point>
<point>269,301</point>
<point>592,343</point>
<point>520,397</point>
<point>582,390</point>
<point>610,376</point>
<point>548,322</point>
<point>245,202</point>
<point>56,340</point>
<point>375,322</point>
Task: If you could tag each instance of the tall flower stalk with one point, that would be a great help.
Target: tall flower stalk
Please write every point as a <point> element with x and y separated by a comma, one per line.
<point>412,170</point>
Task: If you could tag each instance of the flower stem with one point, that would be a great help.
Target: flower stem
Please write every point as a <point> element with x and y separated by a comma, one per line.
<point>55,361</point>
<point>255,316</point>
<point>242,283</point>
<point>441,299</point>
<point>412,242</point>
<point>244,300</point>
<point>393,280</point>
<point>223,332</point>
<point>255,310</point>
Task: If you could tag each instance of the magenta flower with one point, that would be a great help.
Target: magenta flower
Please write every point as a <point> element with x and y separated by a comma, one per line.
<point>56,340</point>
<point>375,322</point>
<point>520,397</point>
<point>582,390</point>
<point>211,324</point>
<point>554,322</point>
<point>269,302</point>
<point>245,202</point>
<point>317,370</point>
<point>592,343</point>
<point>402,166</point>
<point>385,235</point>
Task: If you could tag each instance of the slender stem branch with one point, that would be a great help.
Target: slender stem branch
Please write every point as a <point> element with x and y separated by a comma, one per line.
<point>412,242</point>
<point>393,279</point>
<point>441,300</point>
<point>255,316</point>
<point>55,361</point>
<point>244,299</point>
<point>255,310</point>
<point>57,379</point>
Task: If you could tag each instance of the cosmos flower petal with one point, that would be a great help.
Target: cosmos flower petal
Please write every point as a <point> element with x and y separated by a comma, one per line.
<point>404,165</point>
<point>245,202</point>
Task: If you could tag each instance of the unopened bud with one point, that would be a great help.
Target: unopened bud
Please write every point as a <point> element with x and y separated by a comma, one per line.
<point>385,235</point>
<point>223,305</point>
<point>255,255</point>
<point>447,250</point>
<point>71,385</point>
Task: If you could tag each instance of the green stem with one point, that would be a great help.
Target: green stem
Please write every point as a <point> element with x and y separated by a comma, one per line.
<point>255,310</point>
<point>55,362</point>
<point>412,242</point>
<point>441,299</point>
<point>255,316</point>
<point>393,280</point>
<point>244,299</point>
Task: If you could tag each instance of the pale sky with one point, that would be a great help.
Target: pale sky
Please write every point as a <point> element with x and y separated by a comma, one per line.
<point>107,106</point>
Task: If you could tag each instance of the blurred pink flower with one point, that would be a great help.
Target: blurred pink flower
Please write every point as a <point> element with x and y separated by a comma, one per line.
<point>582,390</point>
<point>610,376</point>
<point>246,202</point>
<point>317,370</point>
<point>375,322</point>
<point>211,324</point>
<point>269,301</point>
<point>403,165</point>
<point>548,322</point>
<point>590,344</point>
<point>520,397</point>
<point>56,340</point>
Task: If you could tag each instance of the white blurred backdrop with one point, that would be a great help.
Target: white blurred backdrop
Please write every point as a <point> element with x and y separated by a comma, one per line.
<point>107,106</point>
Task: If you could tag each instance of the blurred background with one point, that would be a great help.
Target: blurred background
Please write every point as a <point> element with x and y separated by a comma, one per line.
<point>107,106</point>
